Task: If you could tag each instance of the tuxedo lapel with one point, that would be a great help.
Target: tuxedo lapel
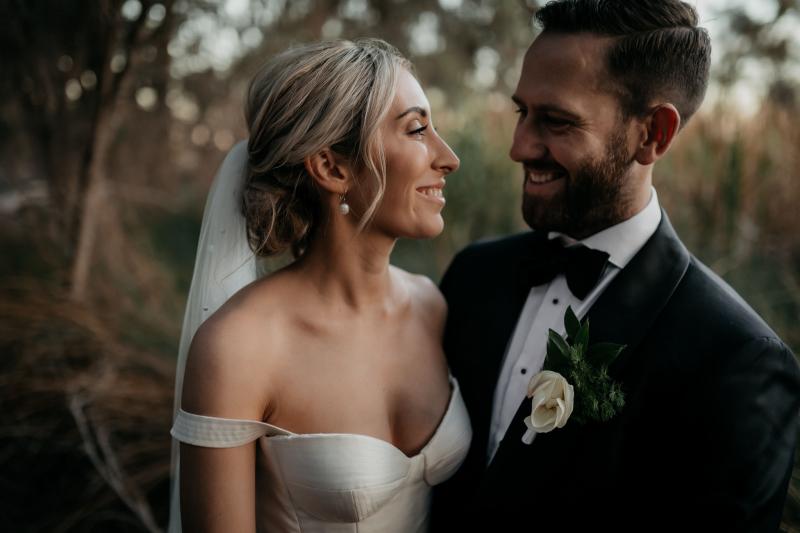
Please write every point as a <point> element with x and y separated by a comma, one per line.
<point>622,314</point>
<point>504,318</point>
<point>498,320</point>
<point>628,307</point>
<point>512,295</point>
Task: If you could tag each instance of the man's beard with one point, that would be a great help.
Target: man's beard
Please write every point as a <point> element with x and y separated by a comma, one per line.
<point>594,197</point>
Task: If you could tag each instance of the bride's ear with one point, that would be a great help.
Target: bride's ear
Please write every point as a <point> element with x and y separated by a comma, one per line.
<point>329,170</point>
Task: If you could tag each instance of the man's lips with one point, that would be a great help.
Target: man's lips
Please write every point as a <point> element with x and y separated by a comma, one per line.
<point>541,176</point>
<point>543,182</point>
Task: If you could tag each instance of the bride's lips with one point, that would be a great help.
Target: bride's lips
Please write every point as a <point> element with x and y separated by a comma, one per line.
<point>433,192</point>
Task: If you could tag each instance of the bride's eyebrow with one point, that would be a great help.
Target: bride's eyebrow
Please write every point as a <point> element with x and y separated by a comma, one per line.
<point>414,109</point>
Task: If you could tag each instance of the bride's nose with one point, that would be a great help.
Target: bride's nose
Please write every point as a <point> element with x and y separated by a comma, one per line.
<point>446,160</point>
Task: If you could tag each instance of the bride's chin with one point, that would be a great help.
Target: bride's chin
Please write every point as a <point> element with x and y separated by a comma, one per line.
<point>415,227</point>
<point>431,229</point>
<point>420,234</point>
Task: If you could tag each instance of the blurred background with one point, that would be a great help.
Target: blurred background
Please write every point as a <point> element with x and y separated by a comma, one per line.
<point>114,115</point>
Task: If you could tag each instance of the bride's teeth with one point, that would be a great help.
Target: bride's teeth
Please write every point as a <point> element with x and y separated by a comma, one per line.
<point>432,191</point>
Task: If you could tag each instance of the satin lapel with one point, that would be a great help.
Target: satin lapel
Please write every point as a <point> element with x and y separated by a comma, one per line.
<point>623,314</point>
<point>510,294</point>
<point>502,327</point>
<point>628,307</point>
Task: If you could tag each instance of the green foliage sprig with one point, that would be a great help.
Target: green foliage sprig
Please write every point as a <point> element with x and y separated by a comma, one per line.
<point>597,397</point>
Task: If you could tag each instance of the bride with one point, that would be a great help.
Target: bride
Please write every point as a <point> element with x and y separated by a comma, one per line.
<point>317,398</point>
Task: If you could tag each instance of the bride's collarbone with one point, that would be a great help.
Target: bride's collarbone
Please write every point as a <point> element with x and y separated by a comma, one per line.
<point>392,362</point>
<point>362,325</point>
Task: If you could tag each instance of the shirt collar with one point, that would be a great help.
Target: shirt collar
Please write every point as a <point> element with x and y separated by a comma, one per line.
<point>622,241</point>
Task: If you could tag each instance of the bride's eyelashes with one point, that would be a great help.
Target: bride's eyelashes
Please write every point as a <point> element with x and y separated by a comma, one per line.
<point>419,131</point>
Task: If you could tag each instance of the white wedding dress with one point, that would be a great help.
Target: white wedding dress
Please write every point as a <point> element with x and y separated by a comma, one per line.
<point>304,482</point>
<point>338,482</point>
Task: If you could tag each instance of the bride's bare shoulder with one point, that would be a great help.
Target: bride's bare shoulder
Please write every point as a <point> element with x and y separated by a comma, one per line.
<point>235,352</point>
<point>426,296</point>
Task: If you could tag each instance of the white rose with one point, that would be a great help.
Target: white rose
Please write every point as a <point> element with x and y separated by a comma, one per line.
<point>552,398</point>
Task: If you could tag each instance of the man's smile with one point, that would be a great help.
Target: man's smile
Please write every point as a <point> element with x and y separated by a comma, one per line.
<point>543,182</point>
<point>539,178</point>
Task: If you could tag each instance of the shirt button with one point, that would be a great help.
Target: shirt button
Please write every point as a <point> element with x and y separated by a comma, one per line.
<point>523,371</point>
<point>555,301</point>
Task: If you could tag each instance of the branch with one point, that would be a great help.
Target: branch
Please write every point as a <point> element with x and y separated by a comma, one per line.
<point>104,460</point>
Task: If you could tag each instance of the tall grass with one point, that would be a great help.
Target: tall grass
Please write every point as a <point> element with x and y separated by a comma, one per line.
<point>87,389</point>
<point>84,440</point>
<point>731,187</point>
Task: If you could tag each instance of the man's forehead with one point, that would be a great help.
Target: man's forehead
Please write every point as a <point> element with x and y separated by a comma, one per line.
<point>579,52</point>
<point>566,70</point>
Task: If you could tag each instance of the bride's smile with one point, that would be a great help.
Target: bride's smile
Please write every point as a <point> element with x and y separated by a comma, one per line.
<point>417,159</point>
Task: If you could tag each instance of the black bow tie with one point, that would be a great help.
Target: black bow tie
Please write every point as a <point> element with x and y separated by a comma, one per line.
<point>582,266</point>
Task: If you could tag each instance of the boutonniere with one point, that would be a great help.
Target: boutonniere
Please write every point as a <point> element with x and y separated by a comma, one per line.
<point>575,381</point>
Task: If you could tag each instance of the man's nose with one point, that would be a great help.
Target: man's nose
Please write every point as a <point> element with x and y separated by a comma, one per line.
<point>527,144</point>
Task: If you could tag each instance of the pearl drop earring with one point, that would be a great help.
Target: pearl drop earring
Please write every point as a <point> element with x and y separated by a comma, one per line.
<point>344,208</point>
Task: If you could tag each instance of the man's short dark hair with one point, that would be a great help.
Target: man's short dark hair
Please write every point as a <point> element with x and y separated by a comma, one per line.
<point>659,52</point>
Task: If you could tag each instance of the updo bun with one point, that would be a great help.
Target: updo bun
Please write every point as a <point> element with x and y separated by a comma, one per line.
<point>330,94</point>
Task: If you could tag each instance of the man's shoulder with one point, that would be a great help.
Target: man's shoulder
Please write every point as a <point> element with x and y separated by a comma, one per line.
<point>703,296</point>
<point>484,266</point>
<point>494,250</point>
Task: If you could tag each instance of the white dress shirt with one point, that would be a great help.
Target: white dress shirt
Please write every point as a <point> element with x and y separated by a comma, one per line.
<point>544,310</point>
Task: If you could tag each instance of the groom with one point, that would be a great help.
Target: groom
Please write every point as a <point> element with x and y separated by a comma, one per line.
<point>706,436</point>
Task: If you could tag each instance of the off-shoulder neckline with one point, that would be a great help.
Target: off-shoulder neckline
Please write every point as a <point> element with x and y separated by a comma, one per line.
<point>277,432</point>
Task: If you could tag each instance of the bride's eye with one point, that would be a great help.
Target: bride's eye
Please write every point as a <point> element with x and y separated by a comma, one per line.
<point>419,131</point>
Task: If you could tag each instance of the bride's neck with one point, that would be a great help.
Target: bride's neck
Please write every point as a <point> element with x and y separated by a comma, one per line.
<point>349,267</point>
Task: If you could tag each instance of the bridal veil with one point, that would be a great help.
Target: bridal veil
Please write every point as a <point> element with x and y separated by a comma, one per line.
<point>224,264</point>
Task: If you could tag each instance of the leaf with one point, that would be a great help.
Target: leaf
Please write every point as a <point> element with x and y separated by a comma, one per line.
<point>557,342</point>
<point>557,348</point>
<point>582,337</point>
<point>557,358</point>
<point>571,323</point>
<point>597,397</point>
<point>604,353</point>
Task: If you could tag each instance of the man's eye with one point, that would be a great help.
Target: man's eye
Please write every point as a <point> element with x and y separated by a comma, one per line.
<point>520,111</point>
<point>558,123</point>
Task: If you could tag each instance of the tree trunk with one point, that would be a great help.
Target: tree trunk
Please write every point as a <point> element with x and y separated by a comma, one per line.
<point>97,202</point>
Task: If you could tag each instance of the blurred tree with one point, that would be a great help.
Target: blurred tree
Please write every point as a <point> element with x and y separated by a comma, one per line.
<point>764,48</point>
<point>68,82</point>
<point>459,46</point>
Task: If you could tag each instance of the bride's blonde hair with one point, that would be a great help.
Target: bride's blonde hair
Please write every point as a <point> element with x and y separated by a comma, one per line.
<point>330,94</point>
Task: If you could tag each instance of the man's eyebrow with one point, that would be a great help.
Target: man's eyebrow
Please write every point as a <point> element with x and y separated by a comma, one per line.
<point>548,108</point>
<point>413,109</point>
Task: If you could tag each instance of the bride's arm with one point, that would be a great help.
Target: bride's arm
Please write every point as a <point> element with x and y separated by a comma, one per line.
<point>218,489</point>
<point>223,379</point>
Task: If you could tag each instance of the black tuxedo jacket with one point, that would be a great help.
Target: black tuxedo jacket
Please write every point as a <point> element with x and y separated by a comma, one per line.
<point>706,438</point>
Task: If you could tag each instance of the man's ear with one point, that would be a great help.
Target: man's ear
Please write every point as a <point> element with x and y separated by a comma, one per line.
<point>329,170</point>
<point>660,128</point>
